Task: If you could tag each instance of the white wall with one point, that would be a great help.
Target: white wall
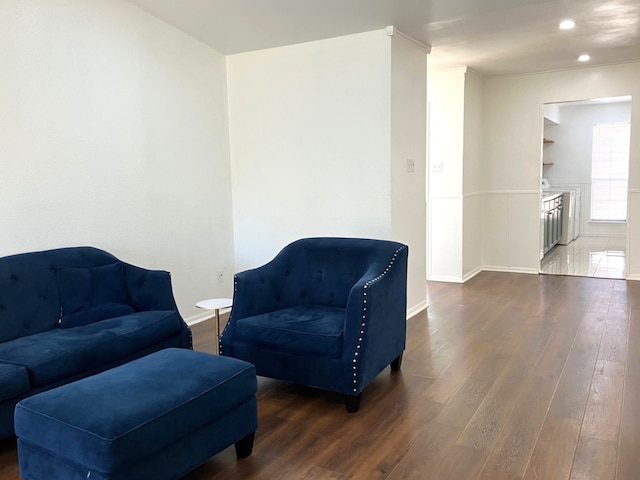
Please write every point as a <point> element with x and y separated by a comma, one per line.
<point>472,174</point>
<point>513,150</point>
<point>456,174</point>
<point>113,133</point>
<point>571,154</point>
<point>408,141</point>
<point>445,94</point>
<point>303,158</point>
<point>310,135</point>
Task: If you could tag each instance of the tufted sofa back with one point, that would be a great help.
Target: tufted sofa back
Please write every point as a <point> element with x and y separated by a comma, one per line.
<point>29,302</point>
<point>322,271</point>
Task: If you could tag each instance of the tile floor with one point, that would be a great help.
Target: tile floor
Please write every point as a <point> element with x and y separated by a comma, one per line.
<point>587,257</point>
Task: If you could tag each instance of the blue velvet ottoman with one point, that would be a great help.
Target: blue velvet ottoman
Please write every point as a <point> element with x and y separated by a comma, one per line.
<point>157,418</point>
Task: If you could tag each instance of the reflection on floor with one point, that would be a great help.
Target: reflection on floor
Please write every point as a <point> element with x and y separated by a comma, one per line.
<point>587,257</point>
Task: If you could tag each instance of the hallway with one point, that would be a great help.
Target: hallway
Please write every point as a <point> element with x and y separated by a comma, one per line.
<point>603,257</point>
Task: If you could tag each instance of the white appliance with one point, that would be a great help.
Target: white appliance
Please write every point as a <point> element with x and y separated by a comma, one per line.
<point>568,216</point>
<point>576,217</point>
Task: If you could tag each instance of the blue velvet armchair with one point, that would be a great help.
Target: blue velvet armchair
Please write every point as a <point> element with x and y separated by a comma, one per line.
<point>325,312</point>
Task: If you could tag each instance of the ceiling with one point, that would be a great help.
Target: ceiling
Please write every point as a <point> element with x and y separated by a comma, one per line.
<point>493,37</point>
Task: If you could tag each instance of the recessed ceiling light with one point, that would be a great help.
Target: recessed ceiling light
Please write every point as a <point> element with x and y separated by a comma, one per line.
<point>584,58</point>
<point>567,24</point>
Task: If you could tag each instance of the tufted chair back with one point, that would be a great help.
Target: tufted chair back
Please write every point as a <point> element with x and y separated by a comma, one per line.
<point>322,271</point>
<point>29,301</point>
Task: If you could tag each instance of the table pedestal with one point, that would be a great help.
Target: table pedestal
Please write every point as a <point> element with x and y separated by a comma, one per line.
<point>216,304</point>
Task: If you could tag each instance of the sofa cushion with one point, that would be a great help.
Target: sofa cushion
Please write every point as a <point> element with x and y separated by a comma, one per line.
<point>310,329</point>
<point>29,296</point>
<point>62,353</point>
<point>14,380</point>
<point>95,314</point>
<point>84,289</point>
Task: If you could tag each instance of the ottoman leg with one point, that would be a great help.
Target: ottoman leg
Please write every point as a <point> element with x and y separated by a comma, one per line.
<point>245,446</point>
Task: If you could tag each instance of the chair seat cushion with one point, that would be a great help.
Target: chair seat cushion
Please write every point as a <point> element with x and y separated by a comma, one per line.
<point>308,329</point>
<point>64,352</point>
<point>14,380</point>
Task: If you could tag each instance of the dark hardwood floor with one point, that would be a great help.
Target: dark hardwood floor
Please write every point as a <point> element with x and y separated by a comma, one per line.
<point>508,376</point>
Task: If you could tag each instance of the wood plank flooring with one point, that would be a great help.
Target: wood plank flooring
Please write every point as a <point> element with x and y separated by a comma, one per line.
<point>509,376</point>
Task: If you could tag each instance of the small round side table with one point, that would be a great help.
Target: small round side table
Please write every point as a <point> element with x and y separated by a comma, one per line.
<point>216,304</point>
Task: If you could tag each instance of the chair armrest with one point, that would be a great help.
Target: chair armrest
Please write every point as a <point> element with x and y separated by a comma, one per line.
<point>149,289</point>
<point>257,291</point>
<point>375,323</point>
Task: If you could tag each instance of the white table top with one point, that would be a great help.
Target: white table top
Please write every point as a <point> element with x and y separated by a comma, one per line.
<point>215,303</point>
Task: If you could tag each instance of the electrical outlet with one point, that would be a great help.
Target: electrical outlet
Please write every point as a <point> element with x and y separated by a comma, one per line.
<point>220,276</point>
<point>436,167</point>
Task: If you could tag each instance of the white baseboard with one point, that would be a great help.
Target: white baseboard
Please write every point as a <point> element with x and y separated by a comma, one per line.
<point>445,278</point>
<point>501,268</point>
<point>416,309</point>
<point>198,318</point>
<point>477,270</point>
<point>601,235</point>
<point>204,316</point>
<point>633,276</point>
<point>471,274</point>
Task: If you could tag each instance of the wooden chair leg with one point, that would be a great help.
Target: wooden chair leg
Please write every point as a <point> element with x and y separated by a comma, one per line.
<point>244,447</point>
<point>352,403</point>
<point>395,365</point>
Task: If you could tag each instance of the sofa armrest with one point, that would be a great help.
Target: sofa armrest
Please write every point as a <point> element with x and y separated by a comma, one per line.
<point>149,289</point>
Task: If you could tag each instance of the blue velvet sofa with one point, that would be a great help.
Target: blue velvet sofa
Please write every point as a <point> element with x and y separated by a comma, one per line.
<point>325,312</point>
<point>69,313</point>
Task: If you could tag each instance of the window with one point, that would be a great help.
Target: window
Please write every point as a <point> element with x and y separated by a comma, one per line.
<point>610,172</point>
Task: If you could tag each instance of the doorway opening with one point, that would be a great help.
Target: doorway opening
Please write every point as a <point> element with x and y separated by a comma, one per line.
<point>583,228</point>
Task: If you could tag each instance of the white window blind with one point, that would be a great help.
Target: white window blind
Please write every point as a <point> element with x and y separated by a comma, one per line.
<point>610,171</point>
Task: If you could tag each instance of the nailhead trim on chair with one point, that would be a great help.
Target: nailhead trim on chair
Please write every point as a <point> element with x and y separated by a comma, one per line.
<point>356,353</point>
<point>235,287</point>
